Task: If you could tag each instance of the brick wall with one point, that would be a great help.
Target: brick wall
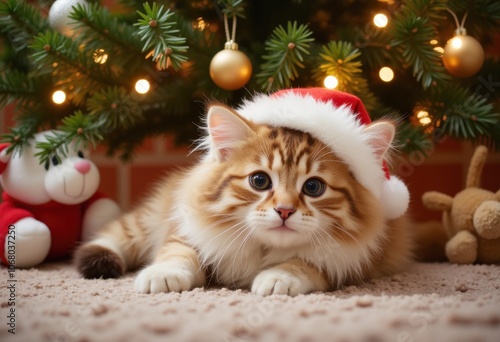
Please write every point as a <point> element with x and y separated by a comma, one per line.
<point>444,170</point>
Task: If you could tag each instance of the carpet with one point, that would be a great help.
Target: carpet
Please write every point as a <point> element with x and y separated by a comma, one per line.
<point>428,302</point>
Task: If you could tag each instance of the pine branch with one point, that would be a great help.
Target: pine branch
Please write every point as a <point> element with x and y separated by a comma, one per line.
<point>431,9</point>
<point>156,30</point>
<point>17,86</point>
<point>19,22</point>
<point>20,137</point>
<point>107,109</point>
<point>233,8</point>
<point>411,138</point>
<point>73,67</point>
<point>340,59</point>
<point>411,38</point>
<point>99,29</point>
<point>461,114</point>
<point>376,48</point>
<point>116,107</point>
<point>80,128</point>
<point>286,54</point>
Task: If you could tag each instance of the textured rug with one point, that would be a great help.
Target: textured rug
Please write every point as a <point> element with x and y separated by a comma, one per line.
<point>428,302</point>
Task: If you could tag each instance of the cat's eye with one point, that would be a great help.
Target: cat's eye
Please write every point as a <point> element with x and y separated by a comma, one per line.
<point>80,154</point>
<point>314,187</point>
<point>260,181</point>
<point>55,161</point>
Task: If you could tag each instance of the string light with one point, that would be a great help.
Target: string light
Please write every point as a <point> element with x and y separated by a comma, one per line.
<point>331,82</point>
<point>142,86</point>
<point>386,74</point>
<point>439,49</point>
<point>423,117</point>
<point>433,42</point>
<point>200,24</point>
<point>380,20</point>
<point>100,57</point>
<point>59,97</point>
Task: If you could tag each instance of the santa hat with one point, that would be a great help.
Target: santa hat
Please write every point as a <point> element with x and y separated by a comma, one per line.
<point>3,164</point>
<point>337,119</point>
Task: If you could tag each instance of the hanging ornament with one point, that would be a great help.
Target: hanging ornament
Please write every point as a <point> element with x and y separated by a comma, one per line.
<point>59,18</point>
<point>230,68</point>
<point>463,55</point>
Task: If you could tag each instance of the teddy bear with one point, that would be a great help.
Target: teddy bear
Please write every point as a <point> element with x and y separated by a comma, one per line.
<point>48,208</point>
<point>471,218</point>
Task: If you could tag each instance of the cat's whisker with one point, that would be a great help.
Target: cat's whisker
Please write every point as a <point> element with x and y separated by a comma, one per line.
<point>216,224</point>
<point>339,246</point>
<point>311,235</point>
<point>356,269</point>
<point>247,238</point>
<point>324,245</point>
<point>209,257</point>
<point>345,231</point>
<point>232,229</point>
<point>221,257</point>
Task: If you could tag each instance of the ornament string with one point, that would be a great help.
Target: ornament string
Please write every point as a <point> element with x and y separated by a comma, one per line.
<point>460,26</point>
<point>231,38</point>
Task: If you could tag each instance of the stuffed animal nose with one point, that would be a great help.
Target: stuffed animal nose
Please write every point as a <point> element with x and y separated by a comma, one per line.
<point>82,166</point>
<point>284,213</point>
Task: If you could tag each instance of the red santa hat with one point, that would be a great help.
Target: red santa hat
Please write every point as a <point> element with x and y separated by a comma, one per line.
<point>3,164</point>
<point>337,119</point>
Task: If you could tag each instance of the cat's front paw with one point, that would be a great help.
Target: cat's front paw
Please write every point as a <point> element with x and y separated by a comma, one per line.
<point>164,277</point>
<point>275,281</point>
<point>95,261</point>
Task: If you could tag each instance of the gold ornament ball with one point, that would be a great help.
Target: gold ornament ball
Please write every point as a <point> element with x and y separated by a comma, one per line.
<point>463,56</point>
<point>230,69</point>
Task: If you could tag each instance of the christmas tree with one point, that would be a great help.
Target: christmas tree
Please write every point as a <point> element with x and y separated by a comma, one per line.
<point>149,68</point>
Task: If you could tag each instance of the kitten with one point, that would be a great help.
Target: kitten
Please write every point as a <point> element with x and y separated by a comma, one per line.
<point>272,209</point>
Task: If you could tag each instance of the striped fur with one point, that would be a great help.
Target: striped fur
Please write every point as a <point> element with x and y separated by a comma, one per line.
<point>208,223</point>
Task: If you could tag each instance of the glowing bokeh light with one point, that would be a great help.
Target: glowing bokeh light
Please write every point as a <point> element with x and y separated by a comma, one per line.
<point>331,82</point>
<point>386,74</point>
<point>142,86</point>
<point>59,97</point>
<point>380,20</point>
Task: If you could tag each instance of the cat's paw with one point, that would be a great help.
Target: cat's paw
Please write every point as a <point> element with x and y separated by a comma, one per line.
<point>94,261</point>
<point>275,281</point>
<point>164,277</point>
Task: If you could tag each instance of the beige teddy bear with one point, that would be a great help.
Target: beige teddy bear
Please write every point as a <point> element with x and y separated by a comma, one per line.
<point>471,218</point>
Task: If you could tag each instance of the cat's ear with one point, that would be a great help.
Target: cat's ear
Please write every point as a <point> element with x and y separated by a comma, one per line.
<point>226,130</point>
<point>380,136</point>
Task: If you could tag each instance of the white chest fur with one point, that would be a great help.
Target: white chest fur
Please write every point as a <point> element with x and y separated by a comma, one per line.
<point>235,257</point>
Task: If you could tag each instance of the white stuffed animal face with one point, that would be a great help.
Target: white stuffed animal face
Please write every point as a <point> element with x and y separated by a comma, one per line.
<point>73,180</point>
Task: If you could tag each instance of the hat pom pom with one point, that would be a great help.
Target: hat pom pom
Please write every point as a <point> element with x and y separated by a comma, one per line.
<point>395,198</point>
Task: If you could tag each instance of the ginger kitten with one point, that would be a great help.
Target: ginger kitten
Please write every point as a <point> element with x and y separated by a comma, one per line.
<point>269,207</point>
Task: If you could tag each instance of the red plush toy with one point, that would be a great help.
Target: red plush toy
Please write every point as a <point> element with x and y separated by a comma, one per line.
<point>47,209</point>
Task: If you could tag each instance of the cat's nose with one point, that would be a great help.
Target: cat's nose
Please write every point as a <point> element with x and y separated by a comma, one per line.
<point>284,213</point>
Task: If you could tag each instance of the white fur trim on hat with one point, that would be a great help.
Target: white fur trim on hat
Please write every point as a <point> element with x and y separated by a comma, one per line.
<point>340,129</point>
